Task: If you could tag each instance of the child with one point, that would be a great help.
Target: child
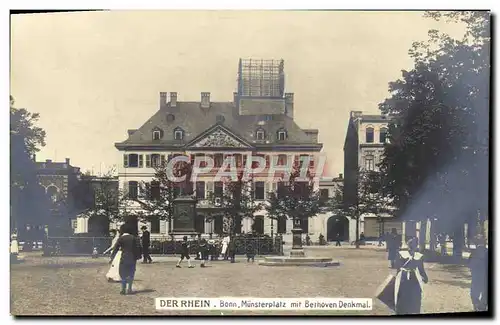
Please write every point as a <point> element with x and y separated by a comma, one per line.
<point>203,252</point>
<point>250,252</point>
<point>184,253</point>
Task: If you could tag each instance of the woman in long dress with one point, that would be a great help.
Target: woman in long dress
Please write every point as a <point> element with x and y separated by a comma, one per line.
<point>225,244</point>
<point>114,271</point>
<point>408,286</point>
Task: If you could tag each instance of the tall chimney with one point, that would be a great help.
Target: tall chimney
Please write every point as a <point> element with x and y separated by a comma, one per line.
<point>205,100</point>
<point>173,99</point>
<point>289,104</point>
<point>163,99</point>
<point>235,99</point>
<point>67,161</point>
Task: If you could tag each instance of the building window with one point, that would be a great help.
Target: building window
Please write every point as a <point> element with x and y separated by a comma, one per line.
<point>218,159</point>
<point>155,224</point>
<point>260,135</point>
<point>259,191</point>
<point>281,190</point>
<point>199,224</point>
<point>258,225</point>
<point>281,225</point>
<point>304,223</point>
<point>369,135</point>
<point>178,134</point>
<point>369,162</point>
<point>200,190</point>
<point>383,135</point>
<point>281,135</point>
<point>132,160</point>
<point>155,191</point>
<point>323,194</point>
<point>282,160</point>
<point>133,189</point>
<point>156,135</point>
<point>218,224</point>
<point>155,160</point>
<point>218,189</point>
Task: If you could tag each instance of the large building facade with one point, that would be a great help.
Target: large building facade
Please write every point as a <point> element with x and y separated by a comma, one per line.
<point>258,122</point>
<point>363,151</point>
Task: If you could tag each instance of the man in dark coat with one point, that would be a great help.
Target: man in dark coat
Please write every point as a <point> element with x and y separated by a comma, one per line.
<point>393,243</point>
<point>131,252</point>
<point>146,242</point>
<point>478,264</point>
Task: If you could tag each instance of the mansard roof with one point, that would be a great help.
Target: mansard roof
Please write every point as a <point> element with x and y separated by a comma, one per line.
<point>195,121</point>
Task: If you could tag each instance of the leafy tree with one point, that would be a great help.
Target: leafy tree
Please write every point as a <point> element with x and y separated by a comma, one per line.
<point>157,199</point>
<point>25,140</point>
<point>295,199</point>
<point>101,199</point>
<point>369,199</point>
<point>437,160</point>
<point>236,203</point>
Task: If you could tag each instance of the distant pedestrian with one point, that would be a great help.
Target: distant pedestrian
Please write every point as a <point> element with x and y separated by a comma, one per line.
<point>129,245</point>
<point>146,242</point>
<point>393,245</point>
<point>184,253</point>
<point>337,240</point>
<point>114,271</point>
<point>212,249</point>
<point>14,244</point>
<point>225,243</point>
<point>478,264</point>
<point>203,251</point>
<point>408,285</point>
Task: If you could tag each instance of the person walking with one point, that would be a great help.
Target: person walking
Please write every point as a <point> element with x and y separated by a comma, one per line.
<point>478,264</point>
<point>231,249</point>
<point>113,274</point>
<point>146,242</point>
<point>203,252</point>
<point>408,284</point>
<point>184,253</point>
<point>225,244</point>
<point>393,246</point>
<point>337,240</point>
<point>250,249</point>
<point>129,245</point>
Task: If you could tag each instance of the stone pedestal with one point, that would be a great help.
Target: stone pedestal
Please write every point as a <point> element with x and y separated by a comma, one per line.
<point>297,255</point>
<point>183,221</point>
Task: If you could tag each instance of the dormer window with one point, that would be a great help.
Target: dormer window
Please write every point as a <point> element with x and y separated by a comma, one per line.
<point>178,134</point>
<point>156,133</point>
<point>260,134</point>
<point>282,135</point>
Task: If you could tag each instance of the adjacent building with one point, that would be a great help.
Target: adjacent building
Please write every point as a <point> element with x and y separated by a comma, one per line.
<point>259,121</point>
<point>363,150</point>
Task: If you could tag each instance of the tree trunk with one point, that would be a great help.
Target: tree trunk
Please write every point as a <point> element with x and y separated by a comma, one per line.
<point>432,236</point>
<point>458,241</point>
<point>357,232</point>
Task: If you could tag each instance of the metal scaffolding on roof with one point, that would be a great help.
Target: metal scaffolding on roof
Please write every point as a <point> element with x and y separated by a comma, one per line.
<point>261,78</point>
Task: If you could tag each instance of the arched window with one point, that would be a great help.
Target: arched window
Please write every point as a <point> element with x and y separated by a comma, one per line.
<point>369,134</point>
<point>178,133</point>
<point>53,192</point>
<point>383,135</point>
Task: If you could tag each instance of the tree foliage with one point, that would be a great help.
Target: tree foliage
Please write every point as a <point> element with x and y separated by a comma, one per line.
<point>236,203</point>
<point>29,202</point>
<point>370,200</point>
<point>295,199</point>
<point>438,150</point>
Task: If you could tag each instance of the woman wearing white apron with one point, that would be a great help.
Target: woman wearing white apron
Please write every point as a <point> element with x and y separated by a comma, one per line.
<point>113,273</point>
<point>14,245</point>
<point>225,244</point>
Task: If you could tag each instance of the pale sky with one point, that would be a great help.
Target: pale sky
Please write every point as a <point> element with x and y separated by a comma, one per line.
<point>94,75</point>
